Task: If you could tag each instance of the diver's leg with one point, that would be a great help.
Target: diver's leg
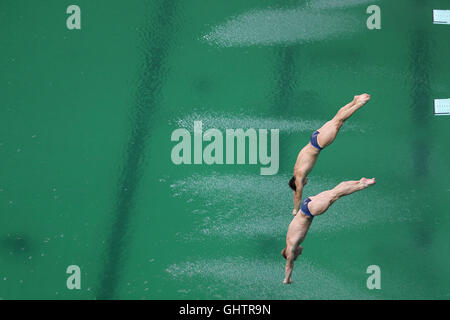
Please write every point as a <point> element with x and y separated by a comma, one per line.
<point>347,111</point>
<point>329,130</point>
<point>321,202</point>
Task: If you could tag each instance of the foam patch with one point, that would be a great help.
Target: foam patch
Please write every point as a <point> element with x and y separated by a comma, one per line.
<point>441,16</point>
<point>442,107</point>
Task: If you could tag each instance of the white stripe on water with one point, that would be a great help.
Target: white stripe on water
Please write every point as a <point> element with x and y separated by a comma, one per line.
<point>338,4</point>
<point>242,121</point>
<point>262,279</point>
<point>218,201</point>
<point>287,26</point>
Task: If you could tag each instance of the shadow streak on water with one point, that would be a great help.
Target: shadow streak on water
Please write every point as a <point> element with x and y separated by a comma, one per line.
<point>420,64</point>
<point>421,113</point>
<point>286,80</point>
<point>16,243</point>
<point>157,41</point>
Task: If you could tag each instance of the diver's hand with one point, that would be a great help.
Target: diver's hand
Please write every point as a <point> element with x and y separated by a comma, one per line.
<point>294,212</point>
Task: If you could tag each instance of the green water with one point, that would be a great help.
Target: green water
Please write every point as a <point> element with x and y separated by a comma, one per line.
<point>86,176</point>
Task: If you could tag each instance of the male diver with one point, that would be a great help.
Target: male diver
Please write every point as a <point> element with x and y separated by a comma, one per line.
<point>319,140</point>
<point>311,207</point>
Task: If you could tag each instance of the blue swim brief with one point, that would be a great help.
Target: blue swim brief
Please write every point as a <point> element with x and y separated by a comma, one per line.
<point>314,142</point>
<point>304,207</point>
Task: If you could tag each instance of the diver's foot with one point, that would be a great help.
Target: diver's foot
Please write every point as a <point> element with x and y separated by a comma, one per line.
<point>294,212</point>
<point>289,281</point>
<point>367,182</point>
<point>361,99</point>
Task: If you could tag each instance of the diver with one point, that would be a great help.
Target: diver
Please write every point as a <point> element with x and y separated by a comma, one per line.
<point>311,207</point>
<point>321,138</point>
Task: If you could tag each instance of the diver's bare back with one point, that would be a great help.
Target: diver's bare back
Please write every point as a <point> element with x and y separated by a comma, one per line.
<point>306,160</point>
